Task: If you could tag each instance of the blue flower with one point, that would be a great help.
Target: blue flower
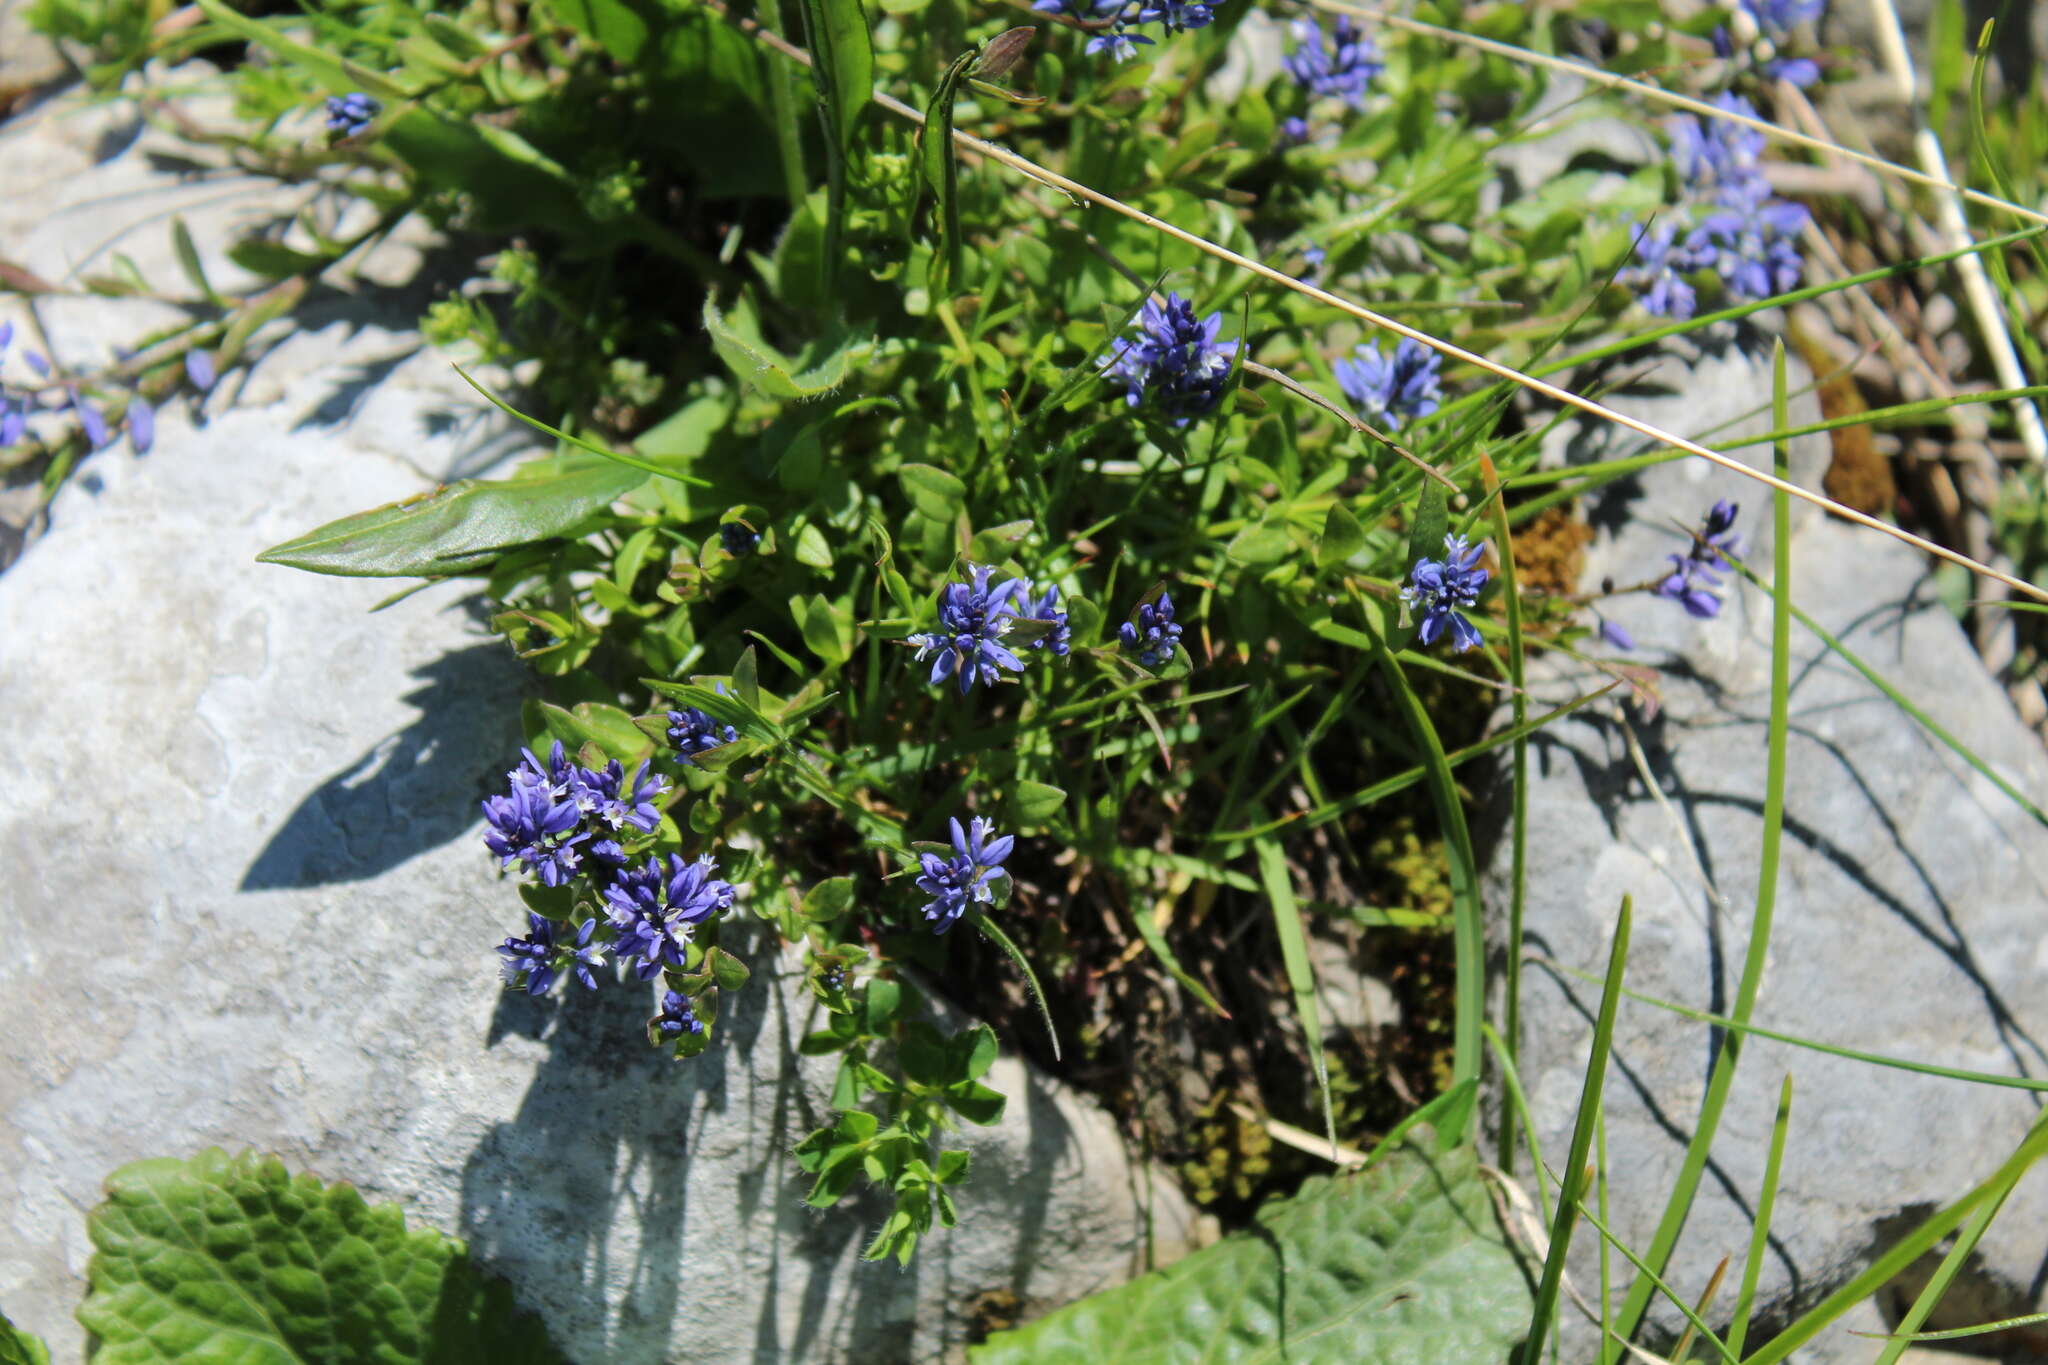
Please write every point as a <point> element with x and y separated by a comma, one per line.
<point>1176,15</point>
<point>535,824</point>
<point>98,434</point>
<point>654,909</point>
<point>1046,607</point>
<point>1613,634</point>
<point>1390,392</point>
<point>1658,274</point>
<point>14,407</point>
<point>1752,244</point>
<point>677,1016</point>
<point>692,732</point>
<point>973,618</point>
<point>350,114</point>
<point>1715,155</point>
<point>1176,359</point>
<point>606,795</point>
<point>141,424</point>
<point>1436,586</point>
<point>1313,258</point>
<point>1338,68</point>
<point>1119,42</point>
<point>738,538</point>
<point>1293,130</point>
<point>1694,581</point>
<point>953,883</point>
<point>199,368</point>
<point>536,959</point>
<point>1153,635</point>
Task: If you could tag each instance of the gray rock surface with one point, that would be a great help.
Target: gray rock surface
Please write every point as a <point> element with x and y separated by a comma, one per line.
<point>1909,916</point>
<point>28,60</point>
<point>246,905</point>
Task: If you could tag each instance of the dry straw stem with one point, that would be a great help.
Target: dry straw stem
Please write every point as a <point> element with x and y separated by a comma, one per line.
<point>1076,190</point>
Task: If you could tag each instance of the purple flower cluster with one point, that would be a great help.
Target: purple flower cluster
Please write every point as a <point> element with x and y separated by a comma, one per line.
<point>556,813</point>
<point>1742,234</point>
<point>691,732</point>
<point>1436,587</point>
<point>954,883</point>
<point>537,958</point>
<point>1118,40</point>
<point>18,406</point>
<point>654,909</point>
<point>1694,582</point>
<point>1337,65</point>
<point>1389,391</point>
<point>14,407</point>
<point>974,619</point>
<point>1174,358</point>
<point>348,115</point>
<point>1151,633</point>
<point>1776,22</point>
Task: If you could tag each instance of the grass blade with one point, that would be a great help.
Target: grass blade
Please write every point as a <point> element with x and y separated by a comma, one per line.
<point>1573,1181</point>
<point>1518,823</point>
<point>1300,976</point>
<point>1760,1235</point>
<point>1002,940</point>
<point>1722,1078</point>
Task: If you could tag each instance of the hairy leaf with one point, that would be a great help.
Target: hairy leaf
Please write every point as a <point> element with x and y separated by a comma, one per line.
<point>234,1258</point>
<point>1403,1264</point>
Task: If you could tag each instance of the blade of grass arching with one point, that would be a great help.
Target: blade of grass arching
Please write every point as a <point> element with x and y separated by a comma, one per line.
<point>1403,780</point>
<point>1468,945</point>
<point>1945,1274</point>
<point>1905,704</point>
<point>1746,1028</point>
<point>1722,1077</point>
<point>1572,1182</point>
<point>1905,1251</point>
<point>2003,1325</point>
<point>1760,1234</point>
<point>1016,954</point>
<point>1452,1102</point>
<point>616,457</point>
<point>1518,825</point>
<point>1301,978</point>
<point>1980,143</point>
<point>1656,334</point>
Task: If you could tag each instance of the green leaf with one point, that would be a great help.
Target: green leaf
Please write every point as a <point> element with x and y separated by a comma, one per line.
<point>829,899</point>
<point>272,260</point>
<point>932,490</point>
<point>827,628</point>
<point>1432,520</point>
<point>737,339</point>
<point>21,1348</point>
<point>233,1258</point>
<point>460,528</point>
<point>842,64</point>
<point>969,1055</point>
<point>1033,803</point>
<point>992,546</point>
<point>728,971</point>
<point>1287,927</point>
<point>1343,537</point>
<point>188,257</point>
<point>1403,1264</point>
<point>608,727</point>
<point>976,1103</point>
<point>942,173</point>
<point>1261,543</point>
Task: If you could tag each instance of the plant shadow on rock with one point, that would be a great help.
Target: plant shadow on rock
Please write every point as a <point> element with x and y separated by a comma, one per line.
<point>412,791</point>
<point>584,1197</point>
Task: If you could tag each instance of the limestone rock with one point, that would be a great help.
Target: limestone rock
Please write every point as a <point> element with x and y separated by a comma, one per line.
<point>1909,907</point>
<point>246,905</point>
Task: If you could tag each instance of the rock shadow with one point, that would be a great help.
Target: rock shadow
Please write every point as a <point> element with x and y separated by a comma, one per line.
<point>416,789</point>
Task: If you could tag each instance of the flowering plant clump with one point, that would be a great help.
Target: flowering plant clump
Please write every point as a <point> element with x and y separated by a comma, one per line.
<point>866,440</point>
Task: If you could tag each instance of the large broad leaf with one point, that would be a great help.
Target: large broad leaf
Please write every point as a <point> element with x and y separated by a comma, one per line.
<point>234,1259</point>
<point>1404,1264</point>
<point>460,528</point>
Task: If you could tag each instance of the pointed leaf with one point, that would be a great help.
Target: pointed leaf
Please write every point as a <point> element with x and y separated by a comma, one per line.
<point>737,339</point>
<point>460,528</point>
